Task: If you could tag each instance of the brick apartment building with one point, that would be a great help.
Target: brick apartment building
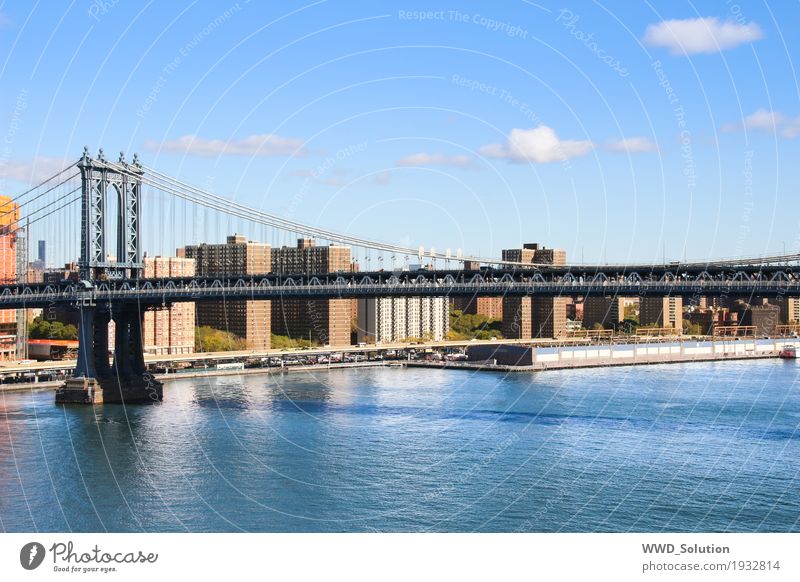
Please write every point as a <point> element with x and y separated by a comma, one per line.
<point>169,330</point>
<point>534,317</point>
<point>250,320</point>
<point>324,321</point>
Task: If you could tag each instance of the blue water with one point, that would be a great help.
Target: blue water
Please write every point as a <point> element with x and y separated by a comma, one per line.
<point>689,447</point>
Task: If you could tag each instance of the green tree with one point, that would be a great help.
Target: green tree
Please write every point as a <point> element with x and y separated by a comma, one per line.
<point>43,329</point>
<point>282,342</point>
<point>465,326</point>
<point>208,339</point>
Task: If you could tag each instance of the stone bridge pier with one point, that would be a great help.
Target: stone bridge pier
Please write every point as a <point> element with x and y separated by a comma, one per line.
<point>95,379</point>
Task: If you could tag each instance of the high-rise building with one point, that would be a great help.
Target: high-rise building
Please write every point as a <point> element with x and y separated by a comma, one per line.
<point>491,307</point>
<point>789,308</point>
<point>763,317</point>
<point>395,319</point>
<point>42,254</point>
<point>662,311</point>
<point>547,316</point>
<point>535,253</point>
<point>249,320</point>
<point>322,321</point>
<point>169,330</point>
<point>607,311</point>
<point>9,217</point>
<point>517,312</point>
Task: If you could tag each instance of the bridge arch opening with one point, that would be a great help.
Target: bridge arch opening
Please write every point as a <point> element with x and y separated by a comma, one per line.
<point>113,222</point>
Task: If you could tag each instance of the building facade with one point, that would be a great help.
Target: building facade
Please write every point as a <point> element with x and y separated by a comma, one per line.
<point>535,253</point>
<point>169,330</point>
<point>517,312</point>
<point>549,317</point>
<point>398,319</point>
<point>491,307</point>
<point>535,317</point>
<point>789,308</point>
<point>249,320</point>
<point>9,217</point>
<point>661,312</point>
<point>607,311</point>
<point>325,321</point>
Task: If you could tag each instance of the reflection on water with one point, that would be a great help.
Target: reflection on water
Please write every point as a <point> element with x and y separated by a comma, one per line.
<point>676,447</point>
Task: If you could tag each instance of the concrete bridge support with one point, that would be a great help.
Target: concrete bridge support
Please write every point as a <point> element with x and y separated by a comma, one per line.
<point>95,380</point>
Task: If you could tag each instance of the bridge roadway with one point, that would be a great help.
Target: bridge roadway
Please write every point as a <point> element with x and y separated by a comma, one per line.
<point>771,280</point>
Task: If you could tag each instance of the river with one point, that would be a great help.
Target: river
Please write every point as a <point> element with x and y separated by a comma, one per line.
<point>680,447</point>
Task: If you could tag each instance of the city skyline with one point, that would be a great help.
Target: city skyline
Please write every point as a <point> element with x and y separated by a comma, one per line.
<point>617,136</point>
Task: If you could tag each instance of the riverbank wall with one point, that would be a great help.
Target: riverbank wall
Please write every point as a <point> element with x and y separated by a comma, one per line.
<point>19,387</point>
<point>523,359</point>
<point>532,359</point>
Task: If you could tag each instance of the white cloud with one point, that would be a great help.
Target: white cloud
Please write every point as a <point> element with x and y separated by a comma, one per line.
<point>631,145</point>
<point>768,122</point>
<point>764,120</point>
<point>540,145</point>
<point>383,178</point>
<point>791,129</point>
<point>34,171</point>
<point>423,159</point>
<point>264,145</point>
<point>5,21</point>
<point>700,35</point>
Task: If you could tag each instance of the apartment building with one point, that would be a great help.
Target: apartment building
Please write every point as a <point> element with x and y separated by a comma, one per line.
<point>531,317</point>
<point>662,311</point>
<point>395,319</point>
<point>169,330</point>
<point>9,217</point>
<point>607,311</point>
<point>789,308</point>
<point>491,307</point>
<point>250,320</point>
<point>324,321</point>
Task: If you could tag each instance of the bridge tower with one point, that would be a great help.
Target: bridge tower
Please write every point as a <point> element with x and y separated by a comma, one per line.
<point>102,180</point>
<point>95,380</point>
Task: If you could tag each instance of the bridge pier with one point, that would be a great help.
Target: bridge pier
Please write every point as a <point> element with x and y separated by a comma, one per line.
<point>95,381</point>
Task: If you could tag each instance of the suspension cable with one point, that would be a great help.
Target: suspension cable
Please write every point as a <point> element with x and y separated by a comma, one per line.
<point>167,184</point>
<point>20,206</point>
<point>53,177</point>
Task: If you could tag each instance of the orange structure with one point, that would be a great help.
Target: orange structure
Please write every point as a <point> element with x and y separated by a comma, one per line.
<point>9,217</point>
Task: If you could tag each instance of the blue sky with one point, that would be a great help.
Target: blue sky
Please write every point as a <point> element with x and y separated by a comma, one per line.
<point>616,130</point>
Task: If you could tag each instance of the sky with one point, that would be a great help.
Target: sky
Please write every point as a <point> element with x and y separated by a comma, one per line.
<point>619,131</point>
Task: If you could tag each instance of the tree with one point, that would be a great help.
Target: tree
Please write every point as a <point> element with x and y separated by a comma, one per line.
<point>282,342</point>
<point>467,326</point>
<point>43,329</point>
<point>208,339</point>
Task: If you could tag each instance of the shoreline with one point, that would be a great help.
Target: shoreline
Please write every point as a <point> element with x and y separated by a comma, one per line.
<point>598,363</point>
<point>643,360</point>
<point>52,385</point>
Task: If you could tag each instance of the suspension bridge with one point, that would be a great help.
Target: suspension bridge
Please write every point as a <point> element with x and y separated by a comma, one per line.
<point>106,199</point>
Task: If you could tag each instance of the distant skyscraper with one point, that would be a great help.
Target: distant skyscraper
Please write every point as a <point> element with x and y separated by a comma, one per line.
<point>42,256</point>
